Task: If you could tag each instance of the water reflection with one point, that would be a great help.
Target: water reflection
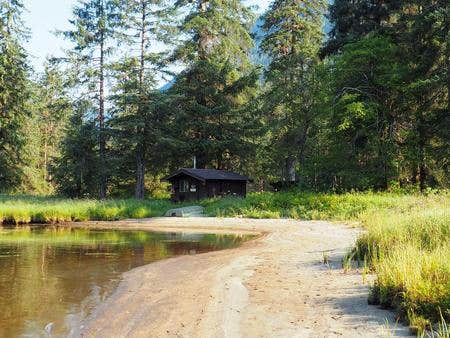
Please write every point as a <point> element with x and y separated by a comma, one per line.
<point>51,278</point>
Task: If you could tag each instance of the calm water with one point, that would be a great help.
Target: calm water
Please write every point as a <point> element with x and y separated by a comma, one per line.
<point>52,278</point>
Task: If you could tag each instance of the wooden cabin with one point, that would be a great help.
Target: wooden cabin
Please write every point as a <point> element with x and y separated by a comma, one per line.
<point>196,184</point>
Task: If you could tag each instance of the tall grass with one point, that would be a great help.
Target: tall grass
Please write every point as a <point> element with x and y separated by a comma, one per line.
<point>406,242</point>
<point>25,209</point>
<point>309,205</point>
<point>409,250</point>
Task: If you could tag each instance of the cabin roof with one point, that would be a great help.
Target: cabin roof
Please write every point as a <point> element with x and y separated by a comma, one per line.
<point>208,175</point>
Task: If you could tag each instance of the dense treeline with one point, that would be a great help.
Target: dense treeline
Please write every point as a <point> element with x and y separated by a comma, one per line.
<point>365,106</point>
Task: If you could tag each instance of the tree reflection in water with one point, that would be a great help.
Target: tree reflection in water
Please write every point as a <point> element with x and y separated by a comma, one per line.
<point>51,278</point>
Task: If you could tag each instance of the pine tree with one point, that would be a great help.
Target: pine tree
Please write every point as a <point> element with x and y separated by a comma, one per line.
<point>51,109</point>
<point>48,107</point>
<point>424,39</point>
<point>75,169</point>
<point>293,38</point>
<point>390,117</point>
<point>367,118</point>
<point>355,19</point>
<point>134,94</point>
<point>210,94</point>
<point>14,93</point>
<point>95,24</point>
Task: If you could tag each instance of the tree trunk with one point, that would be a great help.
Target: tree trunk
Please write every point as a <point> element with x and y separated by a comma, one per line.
<point>302,144</point>
<point>422,137</point>
<point>290,169</point>
<point>101,116</point>
<point>140,177</point>
<point>422,176</point>
<point>45,158</point>
<point>220,161</point>
<point>140,156</point>
<point>201,161</point>
<point>79,184</point>
<point>448,70</point>
<point>422,167</point>
<point>204,38</point>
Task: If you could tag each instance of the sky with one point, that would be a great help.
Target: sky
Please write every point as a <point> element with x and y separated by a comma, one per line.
<point>44,17</point>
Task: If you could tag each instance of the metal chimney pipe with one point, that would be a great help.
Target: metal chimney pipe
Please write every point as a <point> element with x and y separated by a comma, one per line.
<point>195,162</point>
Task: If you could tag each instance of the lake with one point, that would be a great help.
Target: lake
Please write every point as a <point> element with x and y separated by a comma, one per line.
<point>51,278</point>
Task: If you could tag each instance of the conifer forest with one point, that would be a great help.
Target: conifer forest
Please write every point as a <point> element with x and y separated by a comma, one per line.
<point>340,96</point>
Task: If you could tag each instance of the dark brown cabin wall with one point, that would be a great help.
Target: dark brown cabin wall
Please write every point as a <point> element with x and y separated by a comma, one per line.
<point>179,196</point>
<point>203,191</point>
<point>223,188</point>
<point>206,189</point>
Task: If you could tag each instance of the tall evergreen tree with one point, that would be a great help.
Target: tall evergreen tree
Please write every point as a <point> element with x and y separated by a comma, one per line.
<point>48,107</point>
<point>94,29</point>
<point>294,34</point>
<point>51,110</point>
<point>395,109</point>
<point>354,19</point>
<point>134,94</point>
<point>218,81</point>
<point>424,28</point>
<point>76,167</point>
<point>13,93</point>
<point>367,118</point>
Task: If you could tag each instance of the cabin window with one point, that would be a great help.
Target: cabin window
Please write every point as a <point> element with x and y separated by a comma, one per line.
<point>193,188</point>
<point>184,186</point>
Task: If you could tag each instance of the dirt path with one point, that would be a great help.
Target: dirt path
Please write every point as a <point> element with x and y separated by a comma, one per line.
<point>275,286</point>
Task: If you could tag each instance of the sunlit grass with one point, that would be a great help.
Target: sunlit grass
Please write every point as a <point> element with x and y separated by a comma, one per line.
<point>308,205</point>
<point>409,250</point>
<point>22,210</point>
<point>415,282</point>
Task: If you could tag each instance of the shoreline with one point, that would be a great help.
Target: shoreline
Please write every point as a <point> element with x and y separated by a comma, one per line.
<point>275,285</point>
<point>166,224</point>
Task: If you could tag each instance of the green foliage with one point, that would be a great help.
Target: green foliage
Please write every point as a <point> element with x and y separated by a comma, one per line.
<point>14,94</point>
<point>391,98</point>
<point>137,116</point>
<point>425,48</point>
<point>49,107</point>
<point>216,30</point>
<point>360,145</point>
<point>137,129</point>
<point>371,114</point>
<point>94,30</point>
<point>213,119</point>
<point>76,170</point>
<point>291,96</point>
<point>353,20</point>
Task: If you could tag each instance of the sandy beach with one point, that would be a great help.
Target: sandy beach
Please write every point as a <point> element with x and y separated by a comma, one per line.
<point>274,286</point>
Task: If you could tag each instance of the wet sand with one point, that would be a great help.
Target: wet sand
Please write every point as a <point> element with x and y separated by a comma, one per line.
<point>274,286</point>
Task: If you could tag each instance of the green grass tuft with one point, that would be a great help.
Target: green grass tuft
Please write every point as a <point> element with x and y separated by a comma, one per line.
<point>25,209</point>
